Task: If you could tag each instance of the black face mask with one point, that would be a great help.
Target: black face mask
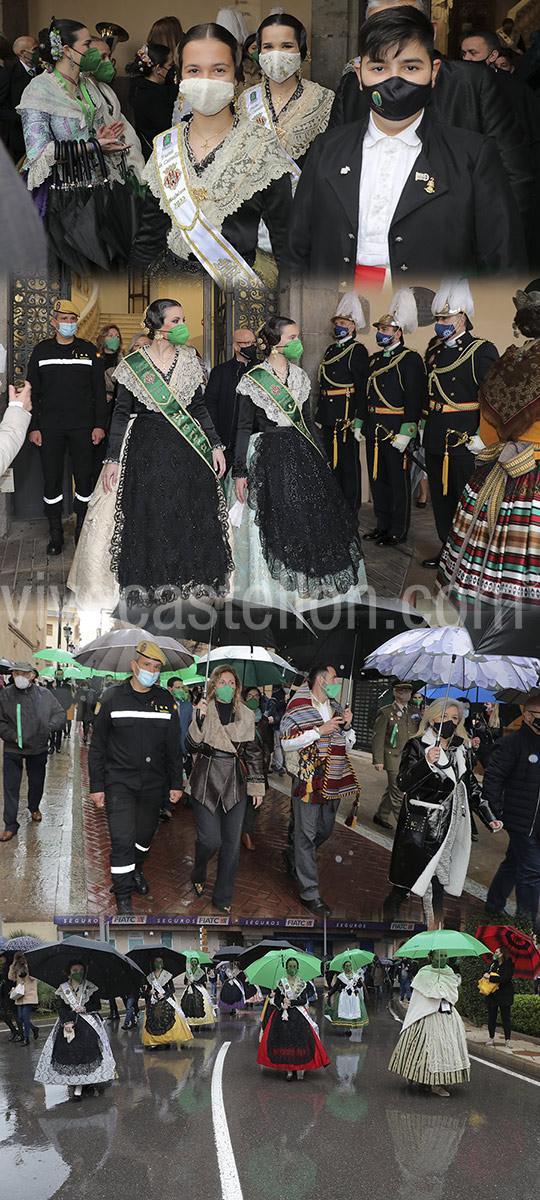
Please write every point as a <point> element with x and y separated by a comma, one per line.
<point>536,723</point>
<point>397,99</point>
<point>446,729</point>
<point>249,352</point>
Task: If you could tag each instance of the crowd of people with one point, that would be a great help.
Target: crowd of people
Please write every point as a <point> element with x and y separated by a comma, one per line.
<point>315,180</point>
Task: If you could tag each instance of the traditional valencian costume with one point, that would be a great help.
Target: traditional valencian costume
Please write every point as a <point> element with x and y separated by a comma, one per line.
<point>166,525</point>
<point>164,1020</point>
<point>493,551</point>
<point>296,540</point>
<point>234,991</point>
<point>196,1003</point>
<point>432,1048</point>
<point>301,119</point>
<point>290,1041</point>
<point>82,1056</point>
<point>346,1007</point>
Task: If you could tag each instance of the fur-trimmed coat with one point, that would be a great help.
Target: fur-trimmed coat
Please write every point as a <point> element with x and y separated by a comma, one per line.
<point>222,779</point>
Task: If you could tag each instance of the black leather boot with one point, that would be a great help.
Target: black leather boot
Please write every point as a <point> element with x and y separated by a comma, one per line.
<point>57,534</point>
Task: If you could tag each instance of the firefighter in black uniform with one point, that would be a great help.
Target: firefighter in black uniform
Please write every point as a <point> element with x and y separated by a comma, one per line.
<point>456,364</point>
<point>396,394</point>
<point>69,412</point>
<point>342,389</point>
<point>135,751</point>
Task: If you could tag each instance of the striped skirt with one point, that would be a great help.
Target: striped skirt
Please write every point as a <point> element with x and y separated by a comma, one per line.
<point>505,566</point>
<point>433,1050</point>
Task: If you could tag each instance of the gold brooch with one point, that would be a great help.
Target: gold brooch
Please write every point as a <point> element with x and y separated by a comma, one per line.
<point>430,186</point>
<point>199,194</point>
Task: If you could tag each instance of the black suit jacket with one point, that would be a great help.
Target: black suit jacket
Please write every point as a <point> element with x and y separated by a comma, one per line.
<point>467,222</point>
<point>13,80</point>
<point>461,386</point>
<point>465,96</point>
<point>221,400</point>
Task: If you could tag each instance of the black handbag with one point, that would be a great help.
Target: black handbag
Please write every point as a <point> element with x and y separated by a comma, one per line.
<point>414,827</point>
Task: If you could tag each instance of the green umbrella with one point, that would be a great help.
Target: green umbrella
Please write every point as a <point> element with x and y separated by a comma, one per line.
<point>57,656</point>
<point>454,944</point>
<point>358,958</point>
<point>268,971</point>
<point>198,954</point>
<point>185,676</point>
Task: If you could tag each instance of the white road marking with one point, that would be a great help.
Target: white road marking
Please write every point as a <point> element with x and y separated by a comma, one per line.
<point>230,1182</point>
<point>505,1071</point>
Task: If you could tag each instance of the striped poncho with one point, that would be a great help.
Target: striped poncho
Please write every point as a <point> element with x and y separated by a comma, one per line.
<point>323,768</point>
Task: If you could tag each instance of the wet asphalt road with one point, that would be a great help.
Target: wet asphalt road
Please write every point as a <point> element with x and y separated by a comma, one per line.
<point>352,1129</point>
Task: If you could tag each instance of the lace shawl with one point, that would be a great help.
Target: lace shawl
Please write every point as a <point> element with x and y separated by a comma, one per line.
<point>248,160</point>
<point>298,384</point>
<point>299,122</point>
<point>187,375</point>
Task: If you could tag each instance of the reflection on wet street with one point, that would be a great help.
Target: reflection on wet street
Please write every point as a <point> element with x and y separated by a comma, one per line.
<point>151,1132</point>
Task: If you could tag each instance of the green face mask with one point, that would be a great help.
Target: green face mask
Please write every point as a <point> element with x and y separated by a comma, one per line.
<point>158,966</point>
<point>332,690</point>
<point>178,335</point>
<point>180,693</point>
<point>112,343</point>
<point>252,703</point>
<point>105,72</point>
<point>293,349</point>
<point>90,60</point>
<point>78,976</point>
<point>292,970</point>
<point>254,54</point>
<point>225,692</point>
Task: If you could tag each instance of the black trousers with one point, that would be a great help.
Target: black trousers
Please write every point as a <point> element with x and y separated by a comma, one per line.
<point>347,471</point>
<point>460,469</point>
<point>133,816</point>
<point>53,452</point>
<point>505,1010</point>
<point>36,765</point>
<point>219,833</point>
<point>391,490</point>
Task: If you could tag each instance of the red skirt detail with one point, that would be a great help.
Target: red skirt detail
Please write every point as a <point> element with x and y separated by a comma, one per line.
<point>304,1053</point>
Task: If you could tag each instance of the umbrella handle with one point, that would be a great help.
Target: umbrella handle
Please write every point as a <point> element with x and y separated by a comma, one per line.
<point>208,665</point>
<point>445,705</point>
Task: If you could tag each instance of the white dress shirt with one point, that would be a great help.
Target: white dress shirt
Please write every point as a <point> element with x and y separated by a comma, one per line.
<point>386,165</point>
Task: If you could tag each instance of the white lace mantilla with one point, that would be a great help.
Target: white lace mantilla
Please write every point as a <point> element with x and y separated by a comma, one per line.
<point>249,159</point>
<point>305,118</point>
<point>187,376</point>
<point>298,384</point>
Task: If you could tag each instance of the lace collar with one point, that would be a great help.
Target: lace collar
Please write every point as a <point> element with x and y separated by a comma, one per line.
<point>186,375</point>
<point>305,115</point>
<point>295,96</point>
<point>201,165</point>
<point>297,382</point>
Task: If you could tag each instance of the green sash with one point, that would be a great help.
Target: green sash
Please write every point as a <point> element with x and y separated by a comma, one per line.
<point>284,400</point>
<point>170,406</point>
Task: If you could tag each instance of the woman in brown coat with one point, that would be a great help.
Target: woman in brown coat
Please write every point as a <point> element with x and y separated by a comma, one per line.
<point>227,775</point>
<point>26,999</point>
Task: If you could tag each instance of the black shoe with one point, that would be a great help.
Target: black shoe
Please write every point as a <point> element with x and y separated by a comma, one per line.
<point>35,1033</point>
<point>24,1042</point>
<point>390,539</point>
<point>14,1036</point>
<point>432,563</point>
<point>224,908</point>
<point>377,820</point>
<point>125,1026</point>
<point>57,535</point>
<point>474,837</point>
<point>124,906</point>
<point>289,866</point>
<point>139,882</point>
<point>421,503</point>
<point>317,907</point>
<point>374,535</point>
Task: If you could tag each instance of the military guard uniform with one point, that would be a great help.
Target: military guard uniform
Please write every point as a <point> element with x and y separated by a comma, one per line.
<point>456,368</point>
<point>342,389</point>
<point>395,396</point>
<point>394,727</point>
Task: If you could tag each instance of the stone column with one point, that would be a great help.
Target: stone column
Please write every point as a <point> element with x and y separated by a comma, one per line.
<point>334,38</point>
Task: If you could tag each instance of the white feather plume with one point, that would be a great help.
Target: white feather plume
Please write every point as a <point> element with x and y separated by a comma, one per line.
<point>457,294</point>
<point>355,308</point>
<point>403,308</point>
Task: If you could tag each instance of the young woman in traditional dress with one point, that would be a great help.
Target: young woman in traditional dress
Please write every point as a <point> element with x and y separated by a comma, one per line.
<point>290,1041</point>
<point>493,551</point>
<point>294,541</point>
<point>196,1003</point>
<point>346,1007</point>
<point>77,1051</point>
<point>157,525</point>
<point>232,996</point>
<point>164,1022</point>
<point>216,175</point>
<point>432,1047</point>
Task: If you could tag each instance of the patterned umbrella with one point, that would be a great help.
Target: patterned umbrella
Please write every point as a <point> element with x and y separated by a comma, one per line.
<point>522,948</point>
<point>446,654</point>
<point>23,943</point>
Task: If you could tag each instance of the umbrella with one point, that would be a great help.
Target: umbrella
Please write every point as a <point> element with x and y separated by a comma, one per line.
<point>144,957</point>
<point>228,953</point>
<point>346,633</point>
<point>454,944</point>
<point>255,665</point>
<point>445,654</point>
<point>261,948</point>
<point>112,973</point>
<point>230,621</point>
<point>522,948</point>
<point>517,695</point>
<point>475,695</point>
<point>358,958</point>
<point>114,651</point>
<point>268,971</point>
<point>57,656</point>
<point>198,954</point>
<point>23,943</point>
<point>507,628</point>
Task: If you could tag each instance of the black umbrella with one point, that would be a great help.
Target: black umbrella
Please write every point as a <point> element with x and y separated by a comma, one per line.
<point>506,628</point>
<point>228,953</point>
<point>228,622</point>
<point>111,972</point>
<point>261,948</point>
<point>347,633</point>
<point>144,957</point>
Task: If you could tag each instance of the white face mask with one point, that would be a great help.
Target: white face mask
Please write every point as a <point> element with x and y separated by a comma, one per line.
<point>20,681</point>
<point>279,65</point>
<point>207,96</point>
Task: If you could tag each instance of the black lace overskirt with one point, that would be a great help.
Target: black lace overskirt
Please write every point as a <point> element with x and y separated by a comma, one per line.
<point>290,1042</point>
<point>160,1017</point>
<point>84,1052</point>
<point>192,1003</point>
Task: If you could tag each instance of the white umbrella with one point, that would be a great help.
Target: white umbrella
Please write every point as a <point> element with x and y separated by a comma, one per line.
<point>255,665</point>
<point>445,655</point>
<point>115,650</point>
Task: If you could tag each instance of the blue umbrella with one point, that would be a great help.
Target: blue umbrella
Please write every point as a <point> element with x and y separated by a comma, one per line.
<point>475,695</point>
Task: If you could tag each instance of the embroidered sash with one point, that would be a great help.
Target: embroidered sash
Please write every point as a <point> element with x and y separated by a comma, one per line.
<point>257,110</point>
<point>218,257</point>
<point>160,991</point>
<point>284,400</point>
<point>170,406</point>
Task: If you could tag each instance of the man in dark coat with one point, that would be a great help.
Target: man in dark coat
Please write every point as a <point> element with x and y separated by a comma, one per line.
<point>220,396</point>
<point>383,193</point>
<point>28,714</point>
<point>465,98</point>
<point>342,390</point>
<point>13,79</point>
<point>512,788</point>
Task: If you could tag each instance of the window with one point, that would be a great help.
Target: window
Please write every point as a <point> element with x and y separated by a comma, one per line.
<point>135,940</point>
<point>166,940</point>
